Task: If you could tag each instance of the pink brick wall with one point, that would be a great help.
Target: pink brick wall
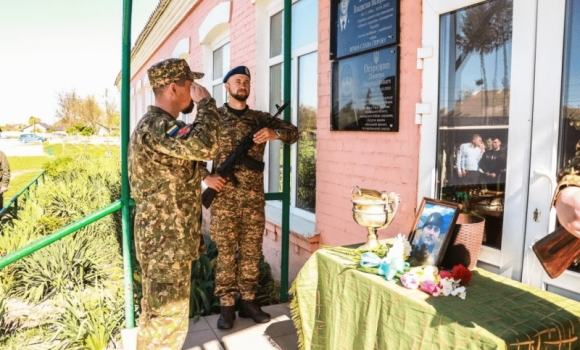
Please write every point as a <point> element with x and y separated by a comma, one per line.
<point>381,161</point>
<point>243,39</point>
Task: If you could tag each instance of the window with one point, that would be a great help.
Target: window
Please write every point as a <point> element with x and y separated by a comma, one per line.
<point>304,97</point>
<point>473,113</point>
<point>221,65</point>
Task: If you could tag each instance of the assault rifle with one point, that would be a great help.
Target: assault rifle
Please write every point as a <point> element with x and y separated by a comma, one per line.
<point>557,251</point>
<point>240,155</point>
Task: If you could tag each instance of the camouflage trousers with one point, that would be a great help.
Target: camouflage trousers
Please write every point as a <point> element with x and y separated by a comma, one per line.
<point>164,317</point>
<point>238,231</point>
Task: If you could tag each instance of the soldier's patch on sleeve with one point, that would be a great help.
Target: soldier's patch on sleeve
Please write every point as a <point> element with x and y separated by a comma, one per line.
<point>172,130</point>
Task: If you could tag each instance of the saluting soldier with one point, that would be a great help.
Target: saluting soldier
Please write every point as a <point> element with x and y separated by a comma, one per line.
<point>166,186</point>
<point>237,212</point>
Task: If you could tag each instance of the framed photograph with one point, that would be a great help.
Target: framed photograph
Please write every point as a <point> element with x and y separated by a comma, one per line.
<point>432,231</point>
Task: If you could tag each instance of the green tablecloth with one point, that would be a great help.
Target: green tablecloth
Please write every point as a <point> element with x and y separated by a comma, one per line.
<point>335,307</point>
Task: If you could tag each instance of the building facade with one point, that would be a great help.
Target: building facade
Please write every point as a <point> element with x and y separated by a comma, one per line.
<point>503,70</point>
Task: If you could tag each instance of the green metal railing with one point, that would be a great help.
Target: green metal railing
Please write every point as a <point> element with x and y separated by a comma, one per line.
<point>24,191</point>
<point>125,203</point>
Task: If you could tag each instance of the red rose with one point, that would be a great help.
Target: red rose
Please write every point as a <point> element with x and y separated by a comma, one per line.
<point>445,274</point>
<point>462,273</point>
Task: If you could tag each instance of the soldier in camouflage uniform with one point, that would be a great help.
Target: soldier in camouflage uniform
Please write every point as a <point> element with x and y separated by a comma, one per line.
<point>567,197</point>
<point>4,177</point>
<point>237,212</point>
<point>164,156</point>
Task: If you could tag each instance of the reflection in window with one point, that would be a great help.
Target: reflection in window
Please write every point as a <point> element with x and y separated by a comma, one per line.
<point>570,108</point>
<point>307,105</point>
<point>473,115</point>
<point>221,65</point>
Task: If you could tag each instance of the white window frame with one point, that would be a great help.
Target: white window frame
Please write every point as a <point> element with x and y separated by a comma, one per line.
<point>274,9</point>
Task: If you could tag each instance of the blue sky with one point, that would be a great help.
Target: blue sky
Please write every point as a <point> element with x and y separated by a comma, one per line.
<point>49,46</point>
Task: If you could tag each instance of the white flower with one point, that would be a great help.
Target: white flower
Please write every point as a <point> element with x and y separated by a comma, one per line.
<point>447,286</point>
<point>460,292</point>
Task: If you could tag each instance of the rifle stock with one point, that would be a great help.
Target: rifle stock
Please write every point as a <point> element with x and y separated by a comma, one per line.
<point>557,251</point>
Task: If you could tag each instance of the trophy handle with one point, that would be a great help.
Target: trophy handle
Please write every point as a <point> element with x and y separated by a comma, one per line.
<point>391,207</point>
<point>357,189</point>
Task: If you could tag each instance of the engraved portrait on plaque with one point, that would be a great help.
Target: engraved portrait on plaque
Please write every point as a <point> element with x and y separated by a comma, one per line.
<point>364,92</point>
<point>362,25</point>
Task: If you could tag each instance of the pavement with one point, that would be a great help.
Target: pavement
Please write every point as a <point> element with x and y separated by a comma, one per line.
<point>278,334</point>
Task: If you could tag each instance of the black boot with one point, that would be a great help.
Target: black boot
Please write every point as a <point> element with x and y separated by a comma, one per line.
<point>249,308</point>
<point>227,317</point>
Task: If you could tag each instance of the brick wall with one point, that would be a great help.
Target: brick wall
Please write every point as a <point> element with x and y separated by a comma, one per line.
<point>384,161</point>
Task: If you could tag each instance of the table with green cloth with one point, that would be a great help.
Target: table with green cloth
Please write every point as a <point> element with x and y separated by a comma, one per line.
<point>337,307</point>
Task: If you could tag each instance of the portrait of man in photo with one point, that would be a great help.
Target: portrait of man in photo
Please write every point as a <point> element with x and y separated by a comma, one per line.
<point>430,235</point>
<point>343,14</point>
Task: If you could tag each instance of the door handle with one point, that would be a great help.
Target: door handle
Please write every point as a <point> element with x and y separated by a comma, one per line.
<point>549,176</point>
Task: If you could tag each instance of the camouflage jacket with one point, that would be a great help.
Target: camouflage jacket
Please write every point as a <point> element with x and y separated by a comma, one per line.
<point>250,191</point>
<point>165,182</point>
<point>4,170</point>
<point>570,174</point>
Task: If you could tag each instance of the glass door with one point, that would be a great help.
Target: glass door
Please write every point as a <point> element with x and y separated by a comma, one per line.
<point>556,120</point>
<point>499,127</point>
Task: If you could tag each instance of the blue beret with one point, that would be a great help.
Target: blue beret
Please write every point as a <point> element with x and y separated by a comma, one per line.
<point>237,70</point>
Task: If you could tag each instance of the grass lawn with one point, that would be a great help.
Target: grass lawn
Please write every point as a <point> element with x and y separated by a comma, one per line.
<point>24,169</point>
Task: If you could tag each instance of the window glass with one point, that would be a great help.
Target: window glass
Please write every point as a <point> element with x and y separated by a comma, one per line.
<point>221,65</point>
<point>307,105</point>
<point>570,110</point>
<point>304,23</point>
<point>473,113</point>
<point>275,154</point>
<point>276,35</point>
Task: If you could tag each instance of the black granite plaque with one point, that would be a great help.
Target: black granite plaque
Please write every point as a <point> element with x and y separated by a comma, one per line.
<point>362,25</point>
<point>365,92</point>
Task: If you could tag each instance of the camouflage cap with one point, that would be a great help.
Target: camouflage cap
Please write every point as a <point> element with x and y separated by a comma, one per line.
<point>169,71</point>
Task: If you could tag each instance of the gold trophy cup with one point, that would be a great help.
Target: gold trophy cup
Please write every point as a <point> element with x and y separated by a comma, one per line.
<point>374,210</point>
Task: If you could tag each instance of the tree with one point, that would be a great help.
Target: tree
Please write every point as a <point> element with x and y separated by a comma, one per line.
<point>73,109</point>
<point>68,109</point>
<point>33,121</point>
<point>91,113</point>
<point>111,115</point>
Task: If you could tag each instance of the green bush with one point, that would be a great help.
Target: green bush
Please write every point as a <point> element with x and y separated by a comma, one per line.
<point>82,271</point>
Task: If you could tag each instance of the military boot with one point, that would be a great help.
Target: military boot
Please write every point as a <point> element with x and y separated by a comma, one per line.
<point>249,308</point>
<point>227,317</point>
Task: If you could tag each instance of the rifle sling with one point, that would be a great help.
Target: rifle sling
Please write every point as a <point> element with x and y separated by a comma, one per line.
<point>252,164</point>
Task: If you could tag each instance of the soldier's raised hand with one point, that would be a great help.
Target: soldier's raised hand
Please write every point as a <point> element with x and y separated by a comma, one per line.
<point>198,92</point>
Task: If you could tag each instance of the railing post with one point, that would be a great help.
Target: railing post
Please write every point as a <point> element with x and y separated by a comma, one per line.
<point>125,193</point>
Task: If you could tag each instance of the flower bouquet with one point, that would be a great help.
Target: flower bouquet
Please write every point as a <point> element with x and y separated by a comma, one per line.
<point>434,282</point>
<point>389,259</point>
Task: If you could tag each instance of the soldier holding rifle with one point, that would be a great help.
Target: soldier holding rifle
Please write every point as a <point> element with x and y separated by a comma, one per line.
<point>237,213</point>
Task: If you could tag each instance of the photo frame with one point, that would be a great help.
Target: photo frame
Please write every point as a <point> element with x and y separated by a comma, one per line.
<point>432,230</point>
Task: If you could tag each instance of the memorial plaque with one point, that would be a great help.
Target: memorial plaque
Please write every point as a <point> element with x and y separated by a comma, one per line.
<point>365,92</point>
<point>362,25</point>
